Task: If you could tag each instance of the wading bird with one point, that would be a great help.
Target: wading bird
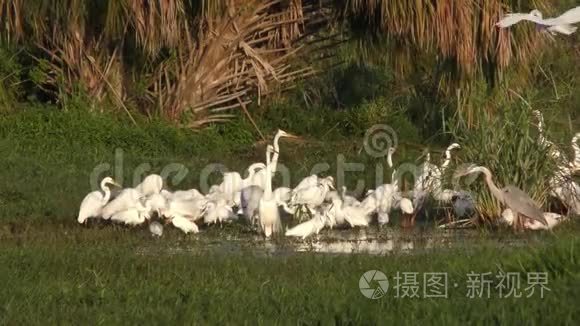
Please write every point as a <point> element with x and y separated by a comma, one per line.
<point>552,220</point>
<point>310,227</point>
<point>561,24</point>
<point>268,214</point>
<point>184,224</point>
<point>553,150</point>
<point>515,199</point>
<point>93,203</point>
<point>156,229</point>
<point>576,148</point>
<point>152,184</point>
<point>312,197</point>
<point>260,178</point>
<point>128,198</point>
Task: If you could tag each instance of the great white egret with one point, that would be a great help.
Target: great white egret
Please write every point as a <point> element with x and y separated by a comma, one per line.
<point>182,194</point>
<point>385,198</point>
<point>259,178</point>
<point>233,183</point>
<point>192,209</point>
<point>390,156</point>
<point>184,224</point>
<point>576,147</point>
<point>156,229</point>
<point>563,187</point>
<point>308,182</point>
<point>312,197</point>
<point>152,184</point>
<point>561,24</point>
<point>132,216</point>
<point>250,200</point>
<point>218,211</point>
<point>515,199</point>
<point>428,180</point>
<point>310,227</point>
<point>553,150</point>
<point>268,214</point>
<point>349,200</point>
<point>128,198</point>
<point>552,220</point>
<point>93,203</point>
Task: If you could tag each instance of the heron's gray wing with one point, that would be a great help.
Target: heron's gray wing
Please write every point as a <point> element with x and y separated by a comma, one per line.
<point>521,203</point>
<point>511,19</point>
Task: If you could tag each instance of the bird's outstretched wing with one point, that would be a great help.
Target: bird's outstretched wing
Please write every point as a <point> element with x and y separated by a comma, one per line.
<point>511,19</point>
<point>520,202</point>
<point>571,16</point>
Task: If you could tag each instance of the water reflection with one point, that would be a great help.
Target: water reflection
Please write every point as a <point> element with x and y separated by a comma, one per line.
<point>363,241</point>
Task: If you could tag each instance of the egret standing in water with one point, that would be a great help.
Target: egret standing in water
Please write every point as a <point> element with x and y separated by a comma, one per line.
<point>93,203</point>
<point>268,214</point>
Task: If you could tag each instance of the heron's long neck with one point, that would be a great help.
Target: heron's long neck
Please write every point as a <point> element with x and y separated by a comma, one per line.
<point>276,154</point>
<point>106,190</point>
<point>268,186</point>
<point>390,159</point>
<point>576,148</point>
<point>497,193</point>
<point>447,161</point>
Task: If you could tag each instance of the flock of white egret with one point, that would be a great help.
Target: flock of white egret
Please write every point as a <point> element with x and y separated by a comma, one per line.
<point>254,200</point>
<point>258,203</point>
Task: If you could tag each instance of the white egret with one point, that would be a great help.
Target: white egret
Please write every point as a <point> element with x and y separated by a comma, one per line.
<point>390,156</point>
<point>349,200</point>
<point>561,24</point>
<point>250,201</point>
<point>385,198</point>
<point>127,199</point>
<point>427,181</point>
<point>156,229</point>
<point>268,214</point>
<point>192,209</point>
<point>93,203</point>
<point>563,187</point>
<point>552,220</point>
<point>218,211</point>
<point>233,182</point>
<point>132,216</point>
<point>312,197</point>
<point>308,182</point>
<point>184,224</point>
<point>553,150</point>
<point>152,184</point>
<point>259,178</point>
<point>576,147</point>
<point>182,194</point>
<point>310,227</point>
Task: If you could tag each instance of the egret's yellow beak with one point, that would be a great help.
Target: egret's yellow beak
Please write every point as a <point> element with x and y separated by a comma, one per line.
<point>289,135</point>
<point>114,183</point>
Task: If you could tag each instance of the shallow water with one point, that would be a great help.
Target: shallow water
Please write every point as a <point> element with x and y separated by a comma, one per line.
<point>371,240</point>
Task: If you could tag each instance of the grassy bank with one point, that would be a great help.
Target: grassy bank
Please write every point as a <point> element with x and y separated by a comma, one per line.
<point>83,276</point>
<point>55,271</point>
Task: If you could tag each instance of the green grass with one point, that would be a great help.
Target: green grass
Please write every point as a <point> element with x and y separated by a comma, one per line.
<point>54,271</point>
<point>87,276</point>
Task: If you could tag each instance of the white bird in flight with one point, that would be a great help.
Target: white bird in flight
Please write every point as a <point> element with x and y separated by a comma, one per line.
<point>561,24</point>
